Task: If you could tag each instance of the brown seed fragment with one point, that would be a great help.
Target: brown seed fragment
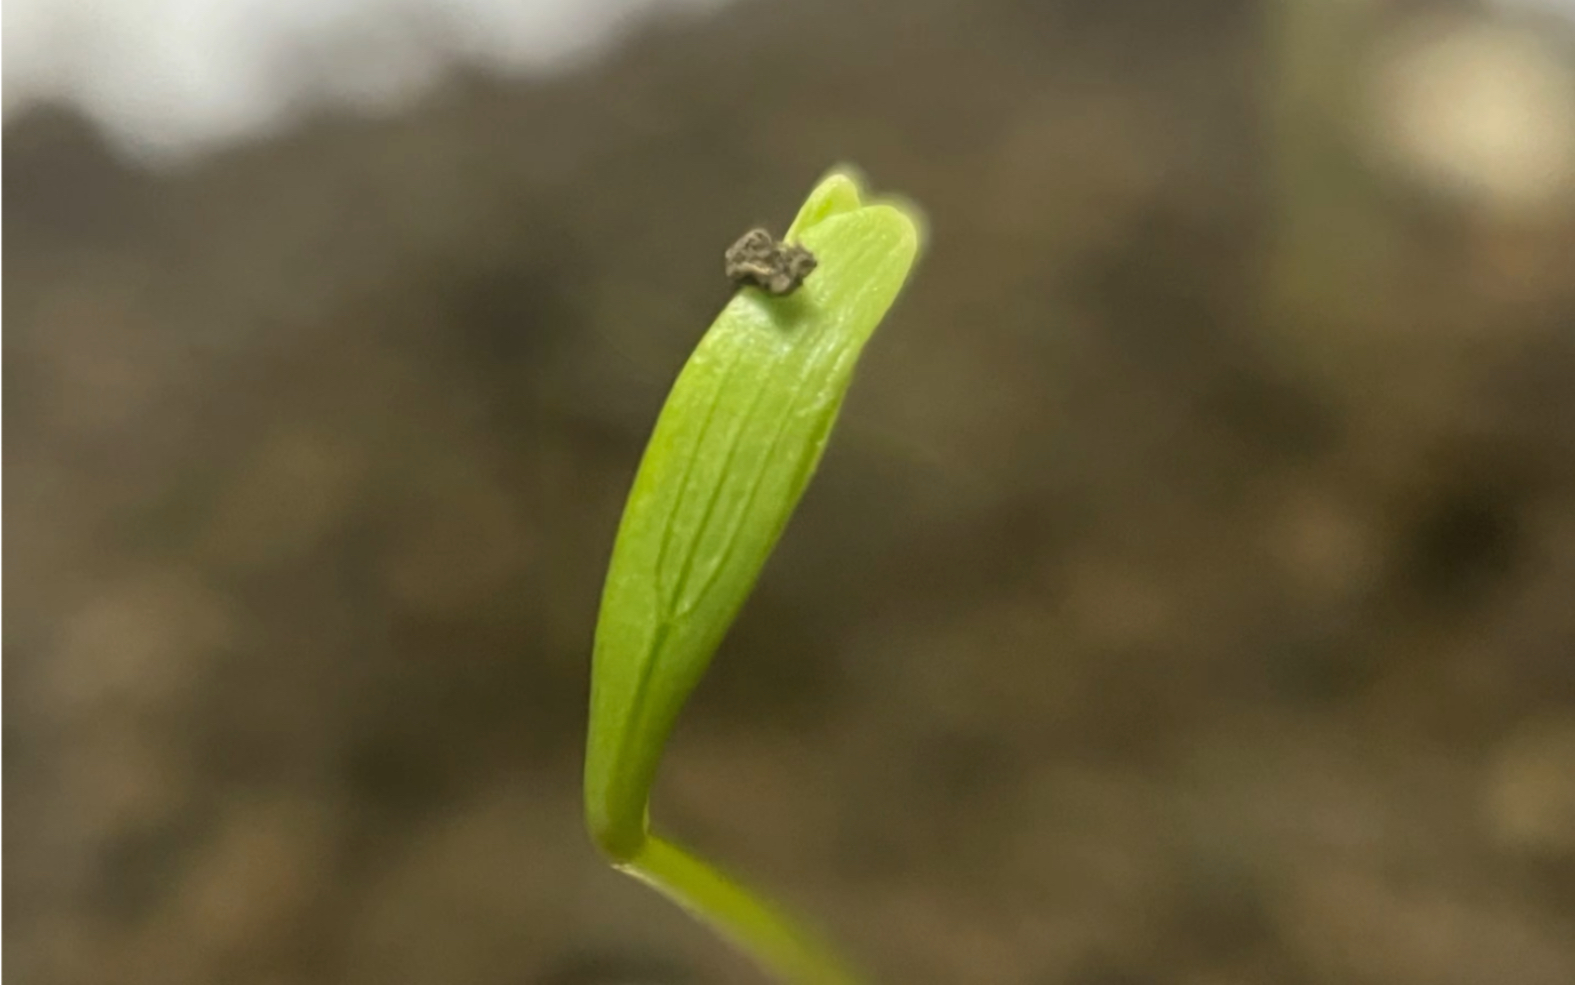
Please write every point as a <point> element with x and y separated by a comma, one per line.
<point>776,268</point>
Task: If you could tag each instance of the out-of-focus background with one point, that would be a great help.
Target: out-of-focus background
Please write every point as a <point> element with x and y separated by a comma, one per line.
<point>1188,595</point>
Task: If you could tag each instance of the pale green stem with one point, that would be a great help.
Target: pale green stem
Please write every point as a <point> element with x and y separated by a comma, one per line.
<point>780,944</point>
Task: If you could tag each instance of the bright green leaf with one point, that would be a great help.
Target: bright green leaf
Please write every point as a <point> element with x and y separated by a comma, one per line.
<point>733,449</point>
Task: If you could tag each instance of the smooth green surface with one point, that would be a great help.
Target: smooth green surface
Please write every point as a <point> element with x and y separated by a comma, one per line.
<point>733,449</point>
<point>760,929</point>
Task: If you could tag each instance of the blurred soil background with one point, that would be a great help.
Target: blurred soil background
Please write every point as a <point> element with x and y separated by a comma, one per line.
<point>1187,597</point>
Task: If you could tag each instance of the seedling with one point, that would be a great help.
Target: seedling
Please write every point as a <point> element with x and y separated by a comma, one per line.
<point>734,447</point>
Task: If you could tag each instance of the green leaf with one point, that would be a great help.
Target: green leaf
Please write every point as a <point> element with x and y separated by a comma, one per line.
<point>733,449</point>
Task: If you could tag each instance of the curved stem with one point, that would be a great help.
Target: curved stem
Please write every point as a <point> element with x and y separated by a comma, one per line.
<point>775,940</point>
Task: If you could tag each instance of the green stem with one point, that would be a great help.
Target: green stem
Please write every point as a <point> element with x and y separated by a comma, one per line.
<point>775,940</point>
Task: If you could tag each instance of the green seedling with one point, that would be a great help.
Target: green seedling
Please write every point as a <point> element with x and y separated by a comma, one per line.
<point>734,447</point>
